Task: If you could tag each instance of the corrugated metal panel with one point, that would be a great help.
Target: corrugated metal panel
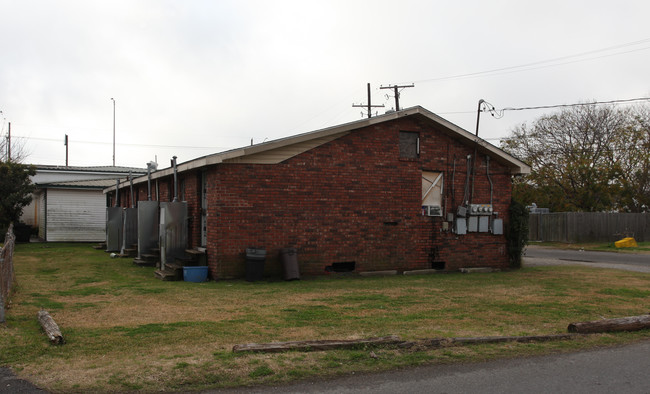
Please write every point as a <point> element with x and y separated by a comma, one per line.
<point>76,215</point>
<point>130,229</point>
<point>173,231</point>
<point>114,227</point>
<point>148,218</point>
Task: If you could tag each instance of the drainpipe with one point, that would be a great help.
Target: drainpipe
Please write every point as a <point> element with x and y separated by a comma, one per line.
<point>132,198</point>
<point>175,179</point>
<point>149,181</point>
<point>117,193</point>
<point>487,170</point>
<point>478,118</point>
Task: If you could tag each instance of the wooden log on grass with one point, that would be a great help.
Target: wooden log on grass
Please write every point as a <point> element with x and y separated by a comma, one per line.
<point>50,327</point>
<point>632,323</point>
<point>464,341</point>
<point>315,345</point>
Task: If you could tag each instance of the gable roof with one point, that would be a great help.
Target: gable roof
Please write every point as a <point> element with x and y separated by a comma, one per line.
<point>276,151</point>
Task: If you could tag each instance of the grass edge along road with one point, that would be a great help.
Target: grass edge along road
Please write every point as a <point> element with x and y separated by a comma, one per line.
<point>641,248</point>
<point>127,331</point>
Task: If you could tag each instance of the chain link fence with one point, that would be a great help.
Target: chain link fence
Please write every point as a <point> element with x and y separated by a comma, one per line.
<point>7,275</point>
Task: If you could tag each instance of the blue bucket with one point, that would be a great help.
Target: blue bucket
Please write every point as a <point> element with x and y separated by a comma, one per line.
<point>195,274</point>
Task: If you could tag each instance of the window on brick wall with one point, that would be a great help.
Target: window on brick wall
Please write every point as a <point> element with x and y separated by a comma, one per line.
<point>432,189</point>
<point>409,145</point>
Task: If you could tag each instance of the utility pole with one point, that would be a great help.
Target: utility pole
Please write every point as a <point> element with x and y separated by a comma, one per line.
<point>65,142</point>
<point>478,114</point>
<point>395,88</point>
<point>369,106</point>
<point>9,144</point>
<point>113,131</point>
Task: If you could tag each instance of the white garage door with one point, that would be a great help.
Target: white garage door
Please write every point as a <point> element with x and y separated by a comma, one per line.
<point>76,215</point>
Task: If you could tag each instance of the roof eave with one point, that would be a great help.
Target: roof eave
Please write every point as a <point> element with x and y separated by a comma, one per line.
<point>516,166</point>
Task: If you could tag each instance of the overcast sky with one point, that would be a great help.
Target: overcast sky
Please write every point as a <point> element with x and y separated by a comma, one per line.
<point>196,77</point>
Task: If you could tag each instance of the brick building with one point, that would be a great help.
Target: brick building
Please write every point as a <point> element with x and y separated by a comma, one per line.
<point>399,191</point>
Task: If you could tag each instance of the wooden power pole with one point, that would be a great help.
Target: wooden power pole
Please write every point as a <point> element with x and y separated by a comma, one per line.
<point>9,144</point>
<point>395,88</point>
<point>369,106</point>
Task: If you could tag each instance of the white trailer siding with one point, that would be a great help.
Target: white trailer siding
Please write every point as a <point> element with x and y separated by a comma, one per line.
<point>75,215</point>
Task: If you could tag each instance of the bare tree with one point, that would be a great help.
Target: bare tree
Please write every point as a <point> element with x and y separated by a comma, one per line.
<point>17,148</point>
<point>584,158</point>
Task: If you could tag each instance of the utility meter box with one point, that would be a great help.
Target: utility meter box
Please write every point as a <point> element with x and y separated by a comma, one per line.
<point>481,209</point>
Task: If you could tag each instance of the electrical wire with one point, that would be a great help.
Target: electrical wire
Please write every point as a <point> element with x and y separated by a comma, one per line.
<point>123,144</point>
<point>576,104</point>
<point>529,66</point>
<point>499,112</point>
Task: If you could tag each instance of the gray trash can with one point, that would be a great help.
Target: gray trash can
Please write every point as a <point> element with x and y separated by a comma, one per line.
<point>255,258</point>
<point>289,259</point>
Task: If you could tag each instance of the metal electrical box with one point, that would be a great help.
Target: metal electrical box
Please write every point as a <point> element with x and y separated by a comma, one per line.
<point>480,209</point>
<point>497,227</point>
<point>472,224</point>
<point>460,225</point>
<point>483,224</point>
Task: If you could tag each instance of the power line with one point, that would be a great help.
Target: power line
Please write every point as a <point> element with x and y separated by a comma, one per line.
<point>124,144</point>
<point>576,104</point>
<point>527,66</point>
<point>549,106</point>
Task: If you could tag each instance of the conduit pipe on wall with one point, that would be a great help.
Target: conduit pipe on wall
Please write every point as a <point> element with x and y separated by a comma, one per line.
<point>131,187</point>
<point>117,193</point>
<point>487,170</point>
<point>175,179</point>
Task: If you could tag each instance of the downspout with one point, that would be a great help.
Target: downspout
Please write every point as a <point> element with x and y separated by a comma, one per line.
<point>132,198</point>
<point>117,193</point>
<point>478,118</point>
<point>487,170</point>
<point>149,181</point>
<point>175,179</point>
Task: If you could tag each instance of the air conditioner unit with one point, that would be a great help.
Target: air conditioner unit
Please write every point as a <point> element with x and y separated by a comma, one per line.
<point>431,210</point>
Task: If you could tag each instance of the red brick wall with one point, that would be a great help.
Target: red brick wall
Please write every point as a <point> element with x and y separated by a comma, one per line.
<point>352,199</point>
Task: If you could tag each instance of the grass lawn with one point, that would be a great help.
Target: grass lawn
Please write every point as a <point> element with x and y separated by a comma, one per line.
<point>127,331</point>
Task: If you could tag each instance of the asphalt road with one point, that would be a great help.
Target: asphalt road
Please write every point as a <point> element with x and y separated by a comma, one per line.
<point>539,255</point>
<point>624,370</point>
<point>9,383</point>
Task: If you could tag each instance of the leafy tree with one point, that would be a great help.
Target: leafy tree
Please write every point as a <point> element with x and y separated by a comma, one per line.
<point>634,160</point>
<point>585,158</point>
<point>15,190</point>
<point>517,233</point>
